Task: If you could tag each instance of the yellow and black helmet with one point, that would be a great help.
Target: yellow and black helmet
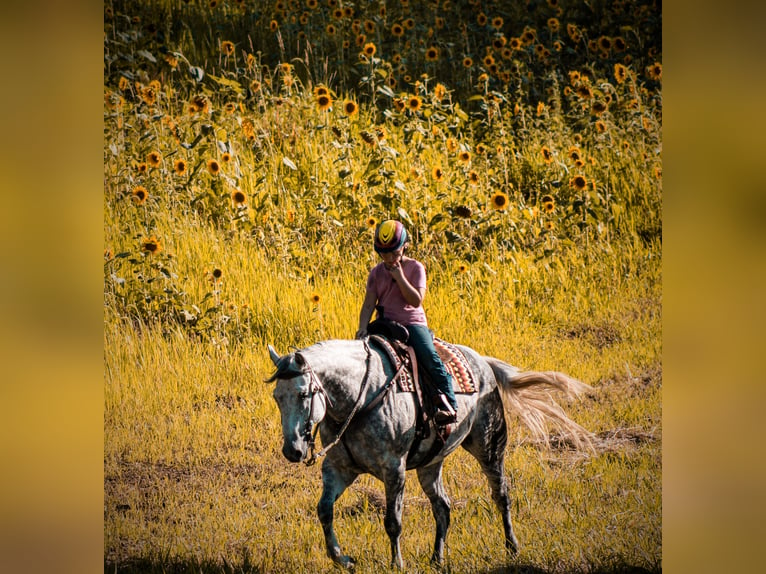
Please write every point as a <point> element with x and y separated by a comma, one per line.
<point>390,235</point>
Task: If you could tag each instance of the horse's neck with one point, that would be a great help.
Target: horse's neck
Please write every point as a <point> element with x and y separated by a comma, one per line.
<point>341,367</point>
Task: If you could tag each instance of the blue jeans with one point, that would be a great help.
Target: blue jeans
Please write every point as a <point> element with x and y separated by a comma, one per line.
<point>422,341</point>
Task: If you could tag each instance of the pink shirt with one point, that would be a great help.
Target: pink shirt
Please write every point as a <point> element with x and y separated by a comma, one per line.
<point>389,295</point>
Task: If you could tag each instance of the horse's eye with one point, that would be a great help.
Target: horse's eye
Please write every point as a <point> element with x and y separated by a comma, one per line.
<point>304,395</point>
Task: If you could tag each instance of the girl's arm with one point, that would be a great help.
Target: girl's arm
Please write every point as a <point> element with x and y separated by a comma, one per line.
<point>366,313</point>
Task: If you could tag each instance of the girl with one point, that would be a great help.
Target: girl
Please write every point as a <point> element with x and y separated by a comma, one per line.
<point>398,285</point>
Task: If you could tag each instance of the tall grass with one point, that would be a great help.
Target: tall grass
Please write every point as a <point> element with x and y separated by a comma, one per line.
<point>536,211</point>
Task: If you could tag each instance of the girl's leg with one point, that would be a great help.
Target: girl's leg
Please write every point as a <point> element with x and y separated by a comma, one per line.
<point>421,339</point>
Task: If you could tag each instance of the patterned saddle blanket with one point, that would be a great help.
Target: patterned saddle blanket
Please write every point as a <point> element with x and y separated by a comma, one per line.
<point>463,377</point>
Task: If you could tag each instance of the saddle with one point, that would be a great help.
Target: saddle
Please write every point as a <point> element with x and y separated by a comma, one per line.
<point>391,338</point>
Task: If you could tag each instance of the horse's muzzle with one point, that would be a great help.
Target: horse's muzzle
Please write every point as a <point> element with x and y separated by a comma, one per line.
<point>293,454</point>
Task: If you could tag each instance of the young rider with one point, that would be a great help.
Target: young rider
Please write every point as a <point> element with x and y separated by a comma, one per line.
<point>398,284</point>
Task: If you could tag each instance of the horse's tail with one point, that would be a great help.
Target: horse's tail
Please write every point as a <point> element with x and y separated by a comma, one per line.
<point>529,395</point>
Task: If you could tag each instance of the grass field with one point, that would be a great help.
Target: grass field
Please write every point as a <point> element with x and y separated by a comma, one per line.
<point>249,150</point>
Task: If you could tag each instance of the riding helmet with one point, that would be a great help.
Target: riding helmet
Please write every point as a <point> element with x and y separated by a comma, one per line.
<point>390,235</point>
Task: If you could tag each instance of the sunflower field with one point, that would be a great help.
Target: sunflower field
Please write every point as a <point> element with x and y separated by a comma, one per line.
<point>250,149</point>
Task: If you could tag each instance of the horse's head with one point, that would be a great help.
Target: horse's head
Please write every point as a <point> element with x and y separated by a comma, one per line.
<point>302,402</point>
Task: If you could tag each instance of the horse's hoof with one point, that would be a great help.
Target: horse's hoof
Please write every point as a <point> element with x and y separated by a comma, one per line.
<point>346,562</point>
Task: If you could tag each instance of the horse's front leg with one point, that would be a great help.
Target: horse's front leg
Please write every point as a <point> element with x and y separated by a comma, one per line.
<point>334,482</point>
<point>394,484</point>
<point>430,478</point>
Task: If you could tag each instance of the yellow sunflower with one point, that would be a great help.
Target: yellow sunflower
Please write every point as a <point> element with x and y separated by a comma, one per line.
<point>213,166</point>
<point>350,108</point>
<point>227,48</point>
<point>414,103</point>
<point>139,195</point>
<point>154,158</point>
<point>499,201</point>
<point>579,182</point>
<point>151,246</point>
<point>179,166</point>
<point>238,197</point>
<point>369,49</point>
<point>324,102</point>
<point>432,54</point>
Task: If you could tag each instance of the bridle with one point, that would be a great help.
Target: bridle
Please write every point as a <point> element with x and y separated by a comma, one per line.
<point>316,388</point>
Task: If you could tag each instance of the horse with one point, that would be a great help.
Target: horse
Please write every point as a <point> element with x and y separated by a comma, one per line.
<point>343,387</point>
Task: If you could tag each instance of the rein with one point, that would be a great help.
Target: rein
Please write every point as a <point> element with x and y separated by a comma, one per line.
<point>314,456</point>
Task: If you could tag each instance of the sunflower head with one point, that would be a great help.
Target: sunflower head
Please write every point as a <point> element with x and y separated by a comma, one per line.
<point>350,108</point>
<point>238,197</point>
<point>499,201</point>
<point>151,246</point>
<point>213,166</point>
<point>139,195</point>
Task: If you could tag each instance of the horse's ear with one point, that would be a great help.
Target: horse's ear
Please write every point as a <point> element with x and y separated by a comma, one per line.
<point>300,360</point>
<point>274,356</point>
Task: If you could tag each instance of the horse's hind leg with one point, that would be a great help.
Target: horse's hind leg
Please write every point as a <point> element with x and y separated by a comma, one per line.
<point>486,443</point>
<point>334,482</point>
<point>430,478</point>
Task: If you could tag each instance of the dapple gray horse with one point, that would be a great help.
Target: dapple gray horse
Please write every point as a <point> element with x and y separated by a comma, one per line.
<point>367,426</point>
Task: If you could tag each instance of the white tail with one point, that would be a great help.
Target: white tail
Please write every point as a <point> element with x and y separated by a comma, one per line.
<point>528,394</point>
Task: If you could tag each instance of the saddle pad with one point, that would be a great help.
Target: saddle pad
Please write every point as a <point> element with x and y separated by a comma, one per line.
<point>463,378</point>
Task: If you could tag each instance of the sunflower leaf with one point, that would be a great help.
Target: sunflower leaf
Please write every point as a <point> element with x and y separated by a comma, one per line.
<point>197,73</point>
<point>404,215</point>
<point>148,55</point>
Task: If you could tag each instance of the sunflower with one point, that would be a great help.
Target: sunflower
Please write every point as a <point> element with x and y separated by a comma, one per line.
<point>414,103</point>
<point>436,173</point>
<point>238,197</point>
<point>598,107</point>
<point>315,298</point>
<point>369,26</point>
<point>151,246</point>
<point>312,4</point>
<point>605,43</point>
<point>499,201</point>
<point>462,268</point>
<point>227,48</point>
<point>463,211</point>
<point>397,30</point>
<point>451,144</point>
<point>574,33</point>
<point>600,127</point>
<point>440,91</point>
<point>409,23</point>
<point>432,54</point>
<point>488,60</point>
<point>579,182</point>
<point>213,166</point>
<point>497,22</point>
<point>550,226</point>
<point>154,158</point>
<point>553,24</point>
<point>464,156</point>
<point>549,206</point>
<point>216,274</point>
<point>321,90</point>
<point>515,43</point>
<point>473,178</point>
<point>331,29</point>
<point>139,194</point>
<point>230,107</point>
<point>350,108</point>
<point>369,49</point>
<point>367,138</point>
<point>574,153</point>
<point>226,157</point>
<point>481,149</point>
<point>481,19</point>
<point>273,25</point>
<point>142,167</point>
<point>540,108</point>
<point>179,166</point>
<point>619,45</point>
<point>655,71</point>
<point>620,73</point>
<point>547,154</point>
<point>467,62</point>
<point>584,92</point>
<point>324,102</point>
